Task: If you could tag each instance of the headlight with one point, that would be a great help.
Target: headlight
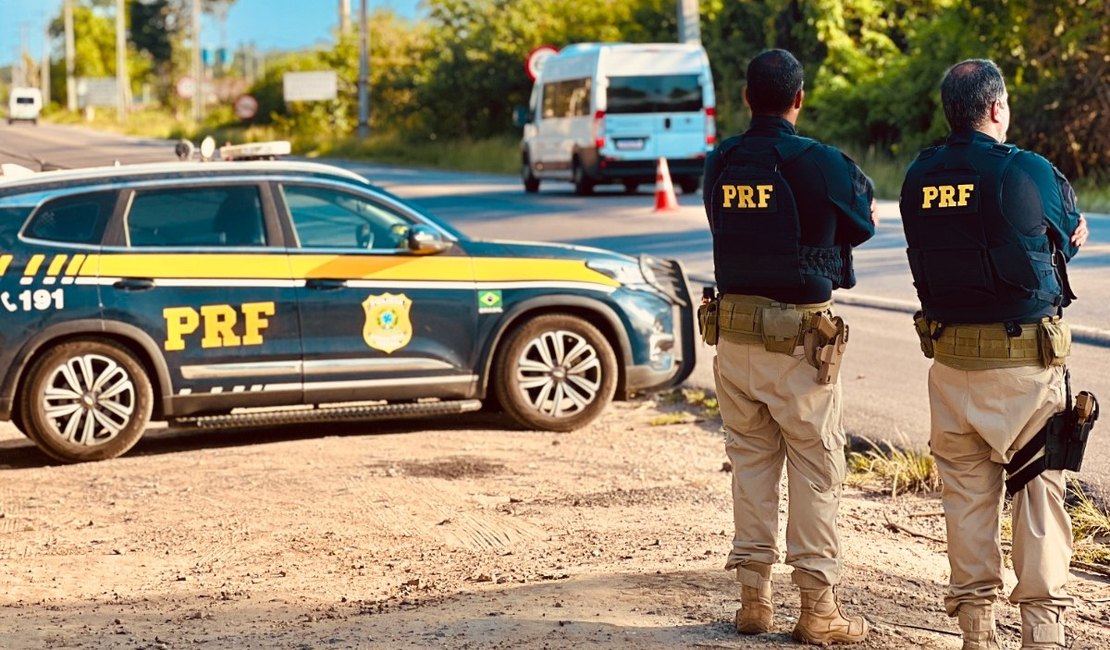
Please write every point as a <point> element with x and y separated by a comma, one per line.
<point>629,273</point>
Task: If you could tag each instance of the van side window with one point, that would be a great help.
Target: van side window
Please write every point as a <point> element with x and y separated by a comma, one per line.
<point>570,98</point>
<point>674,93</point>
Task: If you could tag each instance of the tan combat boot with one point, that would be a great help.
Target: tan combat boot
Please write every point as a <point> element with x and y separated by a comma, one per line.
<point>1042,627</point>
<point>977,625</point>
<point>756,611</point>
<point>821,622</point>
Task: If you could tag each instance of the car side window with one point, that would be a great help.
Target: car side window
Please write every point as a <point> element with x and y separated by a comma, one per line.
<point>228,215</point>
<point>327,218</point>
<point>76,219</point>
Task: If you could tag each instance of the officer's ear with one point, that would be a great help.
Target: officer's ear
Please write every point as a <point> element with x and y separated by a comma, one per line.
<point>799,98</point>
<point>745,95</point>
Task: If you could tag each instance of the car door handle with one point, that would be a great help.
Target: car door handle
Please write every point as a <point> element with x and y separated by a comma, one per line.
<point>325,285</point>
<point>134,284</point>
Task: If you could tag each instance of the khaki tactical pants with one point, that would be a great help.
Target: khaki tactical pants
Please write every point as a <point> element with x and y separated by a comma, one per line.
<point>774,409</point>
<point>980,418</point>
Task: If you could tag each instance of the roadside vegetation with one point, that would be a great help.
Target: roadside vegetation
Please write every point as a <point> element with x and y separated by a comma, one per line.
<point>443,88</point>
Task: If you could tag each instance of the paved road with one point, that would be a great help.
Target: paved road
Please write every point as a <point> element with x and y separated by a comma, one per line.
<point>884,373</point>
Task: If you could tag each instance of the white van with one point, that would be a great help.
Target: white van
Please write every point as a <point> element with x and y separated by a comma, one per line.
<point>606,112</point>
<point>24,104</point>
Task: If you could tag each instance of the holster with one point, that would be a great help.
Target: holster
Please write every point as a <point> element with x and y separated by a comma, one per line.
<point>708,320</point>
<point>925,331</point>
<point>1063,438</point>
<point>824,342</point>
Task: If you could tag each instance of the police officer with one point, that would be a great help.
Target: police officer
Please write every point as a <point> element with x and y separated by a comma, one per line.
<point>785,212</point>
<point>989,227</point>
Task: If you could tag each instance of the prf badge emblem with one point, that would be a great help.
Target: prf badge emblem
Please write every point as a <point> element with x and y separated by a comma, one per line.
<point>388,327</point>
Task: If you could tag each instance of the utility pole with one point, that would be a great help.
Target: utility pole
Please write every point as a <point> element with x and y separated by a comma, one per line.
<point>363,74</point>
<point>44,76</point>
<point>71,64</point>
<point>344,16</point>
<point>121,64</point>
<point>24,73</point>
<point>198,77</point>
<point>689,22</point>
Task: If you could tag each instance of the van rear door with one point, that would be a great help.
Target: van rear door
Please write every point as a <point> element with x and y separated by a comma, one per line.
<point>648,116</point>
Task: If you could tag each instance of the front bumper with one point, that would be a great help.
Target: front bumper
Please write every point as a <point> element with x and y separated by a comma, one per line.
<point>673,283</point>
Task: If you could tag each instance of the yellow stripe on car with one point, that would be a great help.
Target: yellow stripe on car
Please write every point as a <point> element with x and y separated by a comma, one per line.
<point>5,260</point>
<point>75,264</point>
<point>347,267</point>
<point>200,266</point>
<point>56,265</point>
<point>32,268</point>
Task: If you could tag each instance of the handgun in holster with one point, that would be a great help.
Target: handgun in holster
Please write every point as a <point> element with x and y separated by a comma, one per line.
<point>926,333</point>
<point>824,343</point>
<point>1064,438</point>
<point>708,317</point>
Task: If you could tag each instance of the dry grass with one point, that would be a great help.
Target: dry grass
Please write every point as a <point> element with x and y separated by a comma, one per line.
<point>692,404</point>
<point>897,468</point>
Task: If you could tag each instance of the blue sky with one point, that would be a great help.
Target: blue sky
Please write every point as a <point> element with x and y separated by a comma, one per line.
<point>270,24</point>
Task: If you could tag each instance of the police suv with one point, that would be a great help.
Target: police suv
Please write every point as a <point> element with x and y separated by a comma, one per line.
<point>229,293</point>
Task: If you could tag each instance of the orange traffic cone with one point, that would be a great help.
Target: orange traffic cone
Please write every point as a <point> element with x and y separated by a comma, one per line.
<point>664,190</point>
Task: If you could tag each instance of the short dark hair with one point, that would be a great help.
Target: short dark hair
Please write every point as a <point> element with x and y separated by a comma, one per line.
<point>774,77</point>
<point>968,90</point>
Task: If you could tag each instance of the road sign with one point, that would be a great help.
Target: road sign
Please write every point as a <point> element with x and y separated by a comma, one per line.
<point>246,106</point>
<point>309,86</point>
<point>97,91</point>
<point>186,87</point>
<point>534,63</point>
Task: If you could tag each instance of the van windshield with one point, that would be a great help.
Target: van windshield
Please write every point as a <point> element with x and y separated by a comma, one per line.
<point>24,100</point>
<point>654,94</point>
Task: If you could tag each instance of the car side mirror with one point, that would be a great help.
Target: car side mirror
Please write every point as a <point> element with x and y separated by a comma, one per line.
<point>521,116</point>
<point>424,240</point>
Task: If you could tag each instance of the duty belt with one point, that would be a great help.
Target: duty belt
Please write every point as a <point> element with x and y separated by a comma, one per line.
<point>979,347</point>
<point>755,319</point>
<point>995,345</point>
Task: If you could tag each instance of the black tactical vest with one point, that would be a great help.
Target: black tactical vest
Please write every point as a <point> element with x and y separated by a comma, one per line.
<point>756,230</point>
<point>969,264</point>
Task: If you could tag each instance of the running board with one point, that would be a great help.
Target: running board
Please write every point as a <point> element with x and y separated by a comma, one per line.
<point>338,413</point>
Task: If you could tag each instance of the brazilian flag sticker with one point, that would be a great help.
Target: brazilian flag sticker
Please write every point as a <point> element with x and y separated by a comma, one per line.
<point>489,301</point>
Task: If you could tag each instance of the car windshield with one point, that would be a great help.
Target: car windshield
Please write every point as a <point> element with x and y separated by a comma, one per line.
<point>677,93</point>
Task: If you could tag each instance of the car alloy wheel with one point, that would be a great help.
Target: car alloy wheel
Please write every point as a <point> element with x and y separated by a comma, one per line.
<point>87,400</point>
<point>556,373</point>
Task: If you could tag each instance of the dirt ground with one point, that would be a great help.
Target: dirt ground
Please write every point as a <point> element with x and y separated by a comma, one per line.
<point>458,533</point>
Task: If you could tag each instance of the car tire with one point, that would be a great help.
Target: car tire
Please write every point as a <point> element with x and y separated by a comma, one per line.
<point>689,185</point>
<point>583,186</point>
<point>528,177</point>
<point>555,373</point>
<point>86,400</point>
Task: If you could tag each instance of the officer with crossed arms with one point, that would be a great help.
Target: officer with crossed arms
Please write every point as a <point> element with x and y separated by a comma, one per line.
<point>785,212</point>
<point>989,228</point>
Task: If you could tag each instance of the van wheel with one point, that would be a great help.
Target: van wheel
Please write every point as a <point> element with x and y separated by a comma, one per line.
<point>86,400</point>
<point>555,373</point>
<point>630,187</point>
<point>583,186</point>
<point>689,185</point>
<point>531,183</point>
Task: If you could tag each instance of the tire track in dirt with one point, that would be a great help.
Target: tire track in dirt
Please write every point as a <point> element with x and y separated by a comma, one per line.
<point>408,506</point>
